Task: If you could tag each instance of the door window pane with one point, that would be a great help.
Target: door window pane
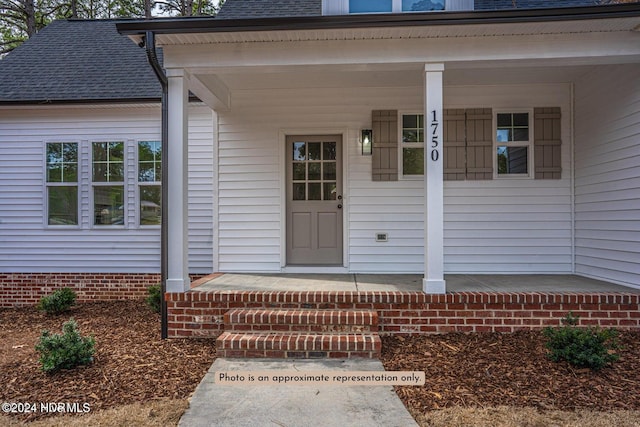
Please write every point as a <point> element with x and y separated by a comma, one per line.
<point>314,150</point>
<point>299,192</point>
<point>329,171</point>
<point>299,171</point>
<point>299,151</point>
<point>314,171</point>
<point>315,191</point>
<point>329,151</point>
<point>329,190</point>
<point>368,6</point>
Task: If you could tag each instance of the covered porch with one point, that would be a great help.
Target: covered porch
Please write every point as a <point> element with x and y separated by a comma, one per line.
<point>433,199</point>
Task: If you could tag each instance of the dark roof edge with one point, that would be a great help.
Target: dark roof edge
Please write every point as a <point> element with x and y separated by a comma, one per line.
<point>212,25</point>
<point>45,102</point>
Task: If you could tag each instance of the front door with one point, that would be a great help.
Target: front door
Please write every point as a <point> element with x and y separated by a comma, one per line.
<point>314,200</point>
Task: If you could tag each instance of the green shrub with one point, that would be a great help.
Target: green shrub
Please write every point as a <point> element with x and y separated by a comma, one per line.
<point>155,297</point>
<point>65,351</point>
<point>582,347</point>
<point>58,302</point>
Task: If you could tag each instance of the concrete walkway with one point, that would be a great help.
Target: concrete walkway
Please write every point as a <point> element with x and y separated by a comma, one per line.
<point>410,283</point>
<point>246,405</point>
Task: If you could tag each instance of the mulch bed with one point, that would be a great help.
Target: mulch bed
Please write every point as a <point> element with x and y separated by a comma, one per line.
<point>490,370</point>
<point>131,363</point>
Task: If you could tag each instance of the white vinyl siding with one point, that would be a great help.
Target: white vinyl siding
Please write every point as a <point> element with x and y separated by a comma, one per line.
<point>28,244</point>
<point>608,174</point>
<point>502,226</point>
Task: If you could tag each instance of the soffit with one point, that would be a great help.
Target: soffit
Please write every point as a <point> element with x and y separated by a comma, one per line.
<point>417,32</point>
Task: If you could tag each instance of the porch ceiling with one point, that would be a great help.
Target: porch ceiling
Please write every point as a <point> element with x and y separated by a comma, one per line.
<point>376,76</point>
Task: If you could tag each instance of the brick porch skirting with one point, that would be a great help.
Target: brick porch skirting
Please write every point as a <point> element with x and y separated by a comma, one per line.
<point>22,289</point>
<point>201,313</point>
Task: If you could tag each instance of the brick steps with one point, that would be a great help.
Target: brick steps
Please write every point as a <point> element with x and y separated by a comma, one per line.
<point>319,321</point>
<point>300,333</point>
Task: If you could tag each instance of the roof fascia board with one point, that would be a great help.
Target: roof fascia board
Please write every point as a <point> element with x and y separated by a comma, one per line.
<point>212,25</point>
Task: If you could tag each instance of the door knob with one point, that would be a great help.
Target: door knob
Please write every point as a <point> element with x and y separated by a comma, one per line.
<point>339,206</point>
<point>339,197</point>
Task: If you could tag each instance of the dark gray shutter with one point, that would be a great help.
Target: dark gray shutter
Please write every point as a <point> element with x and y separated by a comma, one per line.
<point>547,143</point>
<point>454,145</point>
<point>385,145</point>
<point>479,125</point>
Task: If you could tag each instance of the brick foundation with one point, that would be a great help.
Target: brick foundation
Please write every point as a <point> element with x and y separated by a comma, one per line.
<point>199,313</point>
<point>22,289</point>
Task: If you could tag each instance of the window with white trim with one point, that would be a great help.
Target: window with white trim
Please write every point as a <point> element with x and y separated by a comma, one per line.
<point>62,183</point>
<point>107,175</point>
<point>412,146</point>
<point>149,178</point>
<point>513,144</point>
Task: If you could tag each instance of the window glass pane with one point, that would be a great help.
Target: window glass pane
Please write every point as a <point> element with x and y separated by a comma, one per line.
<point>108,161</point>
<point>314,171</point>
<point>314,150</point>
<point>150,204</point>
<point>512,160</point>
<point>329,191</point>
<point>299,151</point>
<point>410,135</point>
<point>108,205</point>
<point>521,119</point>
<point>504,135</point>
<point>521,134</point>
<point>63,205</point>
<point>504,120</point>
<point>315,191</point>
<point>329,171</point>
<point>116,172</point>
<point>149,161</point>
<point>299,171</point>
<point>366,6</point>
<point>422,5</point>
<point>329,151</point>
<point>410,121</point>
<point>299,191</point>
<point>413,161</point>
<point>62,162</point>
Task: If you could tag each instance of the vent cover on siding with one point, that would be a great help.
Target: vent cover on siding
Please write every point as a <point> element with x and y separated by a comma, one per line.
<point>385,145</point>
<point>547,123</point>
<point>479,125</point>
<point>455,145</point>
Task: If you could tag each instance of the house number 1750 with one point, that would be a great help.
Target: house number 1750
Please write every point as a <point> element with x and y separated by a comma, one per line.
<point>435,145</point>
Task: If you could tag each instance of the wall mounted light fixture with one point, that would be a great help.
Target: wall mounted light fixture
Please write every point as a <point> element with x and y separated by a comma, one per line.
<point>367,142</point>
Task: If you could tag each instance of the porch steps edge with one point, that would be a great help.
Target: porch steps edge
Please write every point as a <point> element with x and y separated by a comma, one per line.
<point>298,345</point>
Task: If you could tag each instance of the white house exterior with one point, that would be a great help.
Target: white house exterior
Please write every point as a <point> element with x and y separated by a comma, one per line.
<point>284,101</point>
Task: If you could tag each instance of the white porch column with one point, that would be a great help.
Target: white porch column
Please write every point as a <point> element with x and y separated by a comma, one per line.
<point>177,215</point>
<point>433,281</point>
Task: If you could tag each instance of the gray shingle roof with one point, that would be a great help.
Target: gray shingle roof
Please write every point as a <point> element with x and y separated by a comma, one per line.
<point>77,61</point>
<point>243,9</point>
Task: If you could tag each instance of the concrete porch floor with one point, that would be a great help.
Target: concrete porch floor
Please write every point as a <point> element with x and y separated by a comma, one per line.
<point>409,283</point>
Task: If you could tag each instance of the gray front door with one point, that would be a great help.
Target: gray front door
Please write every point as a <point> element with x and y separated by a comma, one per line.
<point>314,200</point>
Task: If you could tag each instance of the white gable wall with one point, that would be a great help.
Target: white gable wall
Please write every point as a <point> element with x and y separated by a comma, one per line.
<point>608,174</point>
<point>27,244</point>
<point>498,226</point>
